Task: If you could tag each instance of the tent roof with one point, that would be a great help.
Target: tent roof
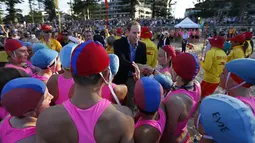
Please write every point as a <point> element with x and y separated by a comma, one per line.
<point>187,23</point>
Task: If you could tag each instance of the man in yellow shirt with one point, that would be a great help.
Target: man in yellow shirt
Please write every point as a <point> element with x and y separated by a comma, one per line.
<point>238,50</point>
<point>151,48</point>
<point>47,38</point>
<point>249,50</point>
<point>119,33</point>
<point>213,66</point>
<point>110,40</point>
<point>3,58</point>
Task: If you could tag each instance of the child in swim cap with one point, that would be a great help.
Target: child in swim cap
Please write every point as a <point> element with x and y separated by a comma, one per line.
<point>24,98</point>
<point>47,60</point>
<point>182,102</point>
<point>69,121</point>
<point>114,93</point>
<point>151,116</point>
<point>237,80</point>
<point>225,119</point>
<point>61,86</point>
<point>17,55</point>
<point>7,74</point>
<point>166,82</point>
<point>166,54</point>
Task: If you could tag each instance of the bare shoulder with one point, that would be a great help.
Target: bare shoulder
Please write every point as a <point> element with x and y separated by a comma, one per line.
<point>175,99</point>
<point>51,118</point>
<point>121,91</point>
<point>124,109</point>
<point>146,134</point>
<point>53,125</point>
<point>114,121</point>
<point>121,88</point>
<point>116,112</point>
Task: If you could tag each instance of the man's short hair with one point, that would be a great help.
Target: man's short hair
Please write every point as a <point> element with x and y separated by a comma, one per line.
<point>132,23</point>
<point>87,80</point>
<point>110,40</point>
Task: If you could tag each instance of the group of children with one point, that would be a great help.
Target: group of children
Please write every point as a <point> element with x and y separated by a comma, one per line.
<point>69,96</point>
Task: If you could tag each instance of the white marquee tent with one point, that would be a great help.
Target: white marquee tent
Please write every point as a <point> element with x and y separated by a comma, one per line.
<point>187,23</point>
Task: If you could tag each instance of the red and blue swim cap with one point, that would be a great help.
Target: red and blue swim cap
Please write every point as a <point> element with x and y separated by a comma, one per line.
<point>89,58</point>
<point>148,94</point>
<point>22,95</point>
<point>243,68</point>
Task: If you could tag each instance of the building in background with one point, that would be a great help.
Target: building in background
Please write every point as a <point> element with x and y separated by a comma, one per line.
<point>116,10</point>
<point>191,12</point>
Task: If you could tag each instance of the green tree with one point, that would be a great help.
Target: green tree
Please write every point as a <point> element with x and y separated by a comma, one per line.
<point>18,18</point>
<point>37,17</point>
<point>83,7</point>
<point>1,16</point>
<point>32,8</point>
<point>161,8</point>
<point>239,8</point>
<point>214,7</point>
<point>50,8</point>
<point>12,12</point>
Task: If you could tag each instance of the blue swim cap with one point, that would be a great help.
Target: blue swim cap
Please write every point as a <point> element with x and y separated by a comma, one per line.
<point>28,44</point>
<point>227,119</point>
<point>243,68</point>
<point>38,46</point>
<point>165,80</point>
<point>44,58</point>
<point>148,94</point>
<point>114,63</point>
<point>65,55</point>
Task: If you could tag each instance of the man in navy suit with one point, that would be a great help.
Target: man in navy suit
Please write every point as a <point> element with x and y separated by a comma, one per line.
<point>129,49</point>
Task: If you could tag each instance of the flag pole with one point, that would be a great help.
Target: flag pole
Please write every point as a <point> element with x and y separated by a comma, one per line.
<point>59,18</point>
<point>106,6</point>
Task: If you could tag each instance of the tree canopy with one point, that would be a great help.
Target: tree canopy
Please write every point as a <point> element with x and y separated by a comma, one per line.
<point>221,8</point>
<point>83,7</point>
<point>12,11</point>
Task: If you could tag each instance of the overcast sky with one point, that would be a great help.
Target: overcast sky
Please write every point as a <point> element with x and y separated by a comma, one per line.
<point>179,8</point>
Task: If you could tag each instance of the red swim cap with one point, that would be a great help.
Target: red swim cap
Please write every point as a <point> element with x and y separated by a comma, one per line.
<point>170,50</point>
<point>89,58</point>
<point>12,45</point>
<point>186,66</point>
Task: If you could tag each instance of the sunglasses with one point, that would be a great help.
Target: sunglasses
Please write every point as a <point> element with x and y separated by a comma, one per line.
<point>47,32</point>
